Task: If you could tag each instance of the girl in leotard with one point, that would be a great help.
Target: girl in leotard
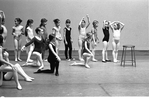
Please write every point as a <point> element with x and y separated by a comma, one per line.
<point>116,27</point>
<point>82,34</point>
<point>9,70</point>
<point>94,40</point>
<point>17,32</point>
<point>57,32</point>
<point>53,58</point>
<point>68,40</point>
<point>37,40</point>
<point>105,40</point>
<point>86,53</point>
<point>29,36</point>
<point>44,36</point>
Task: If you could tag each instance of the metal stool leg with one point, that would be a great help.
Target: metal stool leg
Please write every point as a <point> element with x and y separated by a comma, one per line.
<point>122,57</point>
<point>125,55</point>
<point>132,59</point>
<point>134,56</point>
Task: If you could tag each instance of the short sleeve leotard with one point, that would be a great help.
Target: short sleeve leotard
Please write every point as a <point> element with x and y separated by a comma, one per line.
<point>17,30</point>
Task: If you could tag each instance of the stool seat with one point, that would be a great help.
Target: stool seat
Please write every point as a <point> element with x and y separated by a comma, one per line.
<point>133,58</point>
<point>128,46</point>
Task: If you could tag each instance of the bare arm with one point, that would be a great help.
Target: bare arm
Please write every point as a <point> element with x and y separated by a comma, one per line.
<point>122,25</point>
<point>64,35</point>
<point>87,48</point>
<point>88,19</point>
<point>50,46</point>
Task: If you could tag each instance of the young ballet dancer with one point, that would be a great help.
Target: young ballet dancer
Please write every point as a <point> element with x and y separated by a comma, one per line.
<point>9,70</point>
<point>53,58</point>
<point>57,32</point>
<point>37,40</point>
<point>17,32</point>
<point>94,40</point>
<point>105,40</point>
<point>44,36</point>
<point>29,36</point>
<point>68,40</point>
<point>116,27</point>
<point>82,34</point>
<point>3,30</point>
<point>86,53</point>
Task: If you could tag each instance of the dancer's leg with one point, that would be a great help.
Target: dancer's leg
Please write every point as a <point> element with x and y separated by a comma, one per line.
<point>80,49</point>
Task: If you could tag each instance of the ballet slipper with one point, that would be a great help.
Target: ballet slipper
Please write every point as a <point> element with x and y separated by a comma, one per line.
<point>81,59</point>
<point>74,63</point>
<point>41,67</point>
<point>19,87</point>
<point>28,80</point>
<point>19,59</point>
<point>56,74</point>
<point>87,66</point>
<point>94,60</point>
<point>31,78</point>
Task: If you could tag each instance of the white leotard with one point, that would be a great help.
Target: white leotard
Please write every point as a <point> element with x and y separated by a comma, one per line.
<point>82,34</point>
<point>57,33</point>
<point>18,30</point>
<point>116,34</point>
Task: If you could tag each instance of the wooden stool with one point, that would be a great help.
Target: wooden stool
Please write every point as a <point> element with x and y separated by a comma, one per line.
<point>133,58</point>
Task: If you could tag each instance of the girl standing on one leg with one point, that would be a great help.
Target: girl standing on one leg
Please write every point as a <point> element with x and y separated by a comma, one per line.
<point>29,36</point>
<point>86,53</point>
<point>94,40</point>
<point>37,40</point>
<point>57,32</point>
<point>116,27</point>
<point>53,58</point>
<point>82,34</point>
<point>17,32</point>
<point>105,29</point>
<point>68,40</point>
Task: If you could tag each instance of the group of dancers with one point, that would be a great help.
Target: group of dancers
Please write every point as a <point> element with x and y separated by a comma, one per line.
<point>38,44</point>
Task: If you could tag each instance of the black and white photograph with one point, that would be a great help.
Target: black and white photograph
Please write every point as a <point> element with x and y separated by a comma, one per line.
<point>74,48</point>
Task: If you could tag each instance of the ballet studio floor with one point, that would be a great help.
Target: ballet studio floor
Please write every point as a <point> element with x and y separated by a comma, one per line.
<point>102,79</point>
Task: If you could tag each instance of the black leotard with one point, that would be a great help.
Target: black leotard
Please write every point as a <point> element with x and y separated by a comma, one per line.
<point>37,44</point>
<point>1,31</point>
<point>84,50</point>
<point>106,34</point>
<point>51,56</point>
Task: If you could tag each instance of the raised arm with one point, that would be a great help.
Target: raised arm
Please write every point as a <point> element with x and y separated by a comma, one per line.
<point>88,19</point>
<point>122,24</point>
<point>80,23</point>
